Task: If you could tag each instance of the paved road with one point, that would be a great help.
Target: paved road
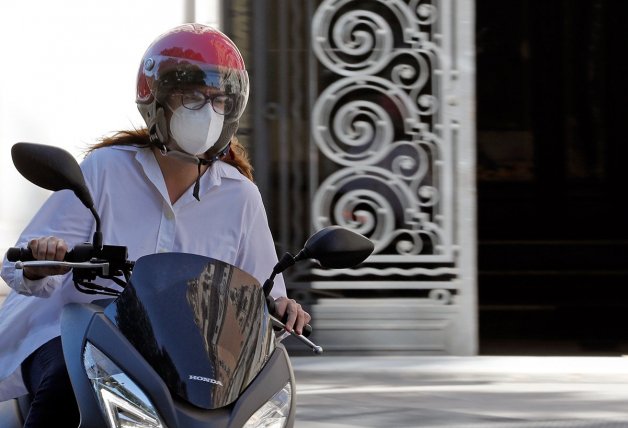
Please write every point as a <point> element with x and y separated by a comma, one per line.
<point>473,392</point>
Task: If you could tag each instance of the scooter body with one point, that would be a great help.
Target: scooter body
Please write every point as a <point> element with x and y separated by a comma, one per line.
<point>187,341</point>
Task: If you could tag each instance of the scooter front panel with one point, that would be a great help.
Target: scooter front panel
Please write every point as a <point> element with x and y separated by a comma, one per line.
<point>201,323</point>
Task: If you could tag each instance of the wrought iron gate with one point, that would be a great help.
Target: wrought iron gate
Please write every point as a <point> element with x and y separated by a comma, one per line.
<point>361,115</point>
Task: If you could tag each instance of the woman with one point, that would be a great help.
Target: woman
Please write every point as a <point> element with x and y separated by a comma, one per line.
<point>182,184</point>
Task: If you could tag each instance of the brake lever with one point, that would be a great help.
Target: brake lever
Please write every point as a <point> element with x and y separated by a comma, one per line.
<point>317,349</point>
<point>104,266</point>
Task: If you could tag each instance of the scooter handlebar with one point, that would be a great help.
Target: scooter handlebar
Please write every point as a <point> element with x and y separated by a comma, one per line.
<point>16,254</point>
<point>307,329</point>
<point>80,253</point>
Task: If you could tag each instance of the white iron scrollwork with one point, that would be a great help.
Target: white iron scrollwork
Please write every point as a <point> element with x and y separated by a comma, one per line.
<point>383,127</point>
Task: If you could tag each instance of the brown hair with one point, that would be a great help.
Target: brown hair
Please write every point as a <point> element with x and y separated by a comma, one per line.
<point>237,155</point>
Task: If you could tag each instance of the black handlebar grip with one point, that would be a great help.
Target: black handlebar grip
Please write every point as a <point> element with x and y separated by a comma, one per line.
<point>307,330</point>
<point>16,254</point>
<point>80,253</point>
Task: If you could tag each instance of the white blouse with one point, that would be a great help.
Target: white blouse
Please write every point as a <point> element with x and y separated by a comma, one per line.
<point>229,223</point>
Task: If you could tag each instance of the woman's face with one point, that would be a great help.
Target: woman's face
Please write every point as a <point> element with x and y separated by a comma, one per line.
<point>195,117</point>
<point>196,97</point>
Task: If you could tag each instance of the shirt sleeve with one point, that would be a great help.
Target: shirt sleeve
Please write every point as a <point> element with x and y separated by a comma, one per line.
<point>29,287</point>
<point>257,253</point>
<point>62,215</point>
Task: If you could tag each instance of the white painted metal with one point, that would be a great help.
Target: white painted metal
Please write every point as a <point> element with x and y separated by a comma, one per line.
<point>397,125</point>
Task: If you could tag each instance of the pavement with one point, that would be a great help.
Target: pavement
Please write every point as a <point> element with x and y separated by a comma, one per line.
<point>470,392</point>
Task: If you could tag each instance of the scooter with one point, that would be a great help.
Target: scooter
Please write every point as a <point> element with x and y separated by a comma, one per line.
<point>182,340</point>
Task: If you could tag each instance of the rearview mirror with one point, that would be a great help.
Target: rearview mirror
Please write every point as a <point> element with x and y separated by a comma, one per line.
<point>55,169</point>
<point>336,247</point>
<point>51,168</point>
<point>333,247</point>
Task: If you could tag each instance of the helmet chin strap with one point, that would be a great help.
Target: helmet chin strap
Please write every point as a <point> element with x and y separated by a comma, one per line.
<point>186,157</point>
<point>182,156</point>
<point>157,138</point>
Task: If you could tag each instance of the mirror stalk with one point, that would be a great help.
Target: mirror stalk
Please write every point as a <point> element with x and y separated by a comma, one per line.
<point>97,239</point>
<point>284,263</point>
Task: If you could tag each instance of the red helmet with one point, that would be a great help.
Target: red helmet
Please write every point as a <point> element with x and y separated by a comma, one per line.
<point>191,54</point>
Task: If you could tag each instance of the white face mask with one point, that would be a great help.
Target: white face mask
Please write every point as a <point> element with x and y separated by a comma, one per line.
<point>196,131</point>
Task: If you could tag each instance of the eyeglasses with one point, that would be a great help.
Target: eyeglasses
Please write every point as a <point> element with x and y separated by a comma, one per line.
<point>195,100</point>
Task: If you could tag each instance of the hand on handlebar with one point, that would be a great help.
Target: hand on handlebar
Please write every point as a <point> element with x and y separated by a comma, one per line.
<point>297,318</point>
<point>46,248</point>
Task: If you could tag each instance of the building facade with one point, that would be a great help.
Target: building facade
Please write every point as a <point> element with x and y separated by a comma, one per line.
<point>361,115</point>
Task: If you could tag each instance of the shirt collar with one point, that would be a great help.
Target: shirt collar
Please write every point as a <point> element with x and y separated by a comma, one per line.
<point>218,171</point>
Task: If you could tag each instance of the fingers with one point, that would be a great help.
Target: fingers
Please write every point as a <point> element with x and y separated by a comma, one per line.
<point>48,248</point>
<point>296,316</point>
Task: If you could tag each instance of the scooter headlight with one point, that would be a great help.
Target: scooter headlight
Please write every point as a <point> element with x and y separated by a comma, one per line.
<point>274,413</point>
<point>121,400</point>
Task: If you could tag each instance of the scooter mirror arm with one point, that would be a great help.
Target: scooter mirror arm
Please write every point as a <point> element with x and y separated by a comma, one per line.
<point>286,261</point>
<point>97,238</point>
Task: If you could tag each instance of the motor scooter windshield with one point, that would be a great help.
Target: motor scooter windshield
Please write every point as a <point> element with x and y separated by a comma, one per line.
<point>201,323</point>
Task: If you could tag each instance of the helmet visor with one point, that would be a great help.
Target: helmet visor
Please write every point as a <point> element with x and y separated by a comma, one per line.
<point>168,75</point>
